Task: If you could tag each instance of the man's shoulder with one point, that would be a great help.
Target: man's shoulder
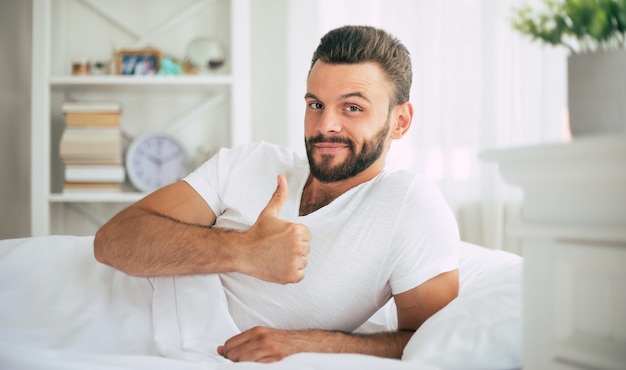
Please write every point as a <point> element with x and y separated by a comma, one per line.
<point>401,179</point>
<point>407,186</point>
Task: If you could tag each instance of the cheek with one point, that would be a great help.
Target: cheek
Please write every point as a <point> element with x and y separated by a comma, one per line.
<point>309,124</point>
<point>361,134</point>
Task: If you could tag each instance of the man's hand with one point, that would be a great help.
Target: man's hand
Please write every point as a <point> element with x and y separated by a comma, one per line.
<point>262,344</point>
<point>276,249</point>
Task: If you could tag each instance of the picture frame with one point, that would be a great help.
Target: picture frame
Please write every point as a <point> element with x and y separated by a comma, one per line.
<point>138,62</point>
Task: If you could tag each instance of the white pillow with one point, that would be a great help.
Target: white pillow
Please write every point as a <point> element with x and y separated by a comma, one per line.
<point>482,327</point>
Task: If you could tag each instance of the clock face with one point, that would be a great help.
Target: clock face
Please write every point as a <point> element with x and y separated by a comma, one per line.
<point>155,160</point>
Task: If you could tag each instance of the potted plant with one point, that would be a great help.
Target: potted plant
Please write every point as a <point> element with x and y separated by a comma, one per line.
<point>594,32</point>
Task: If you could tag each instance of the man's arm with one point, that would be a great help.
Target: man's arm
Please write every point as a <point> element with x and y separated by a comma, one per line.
<point>169,233</point>
<point>414,307</point>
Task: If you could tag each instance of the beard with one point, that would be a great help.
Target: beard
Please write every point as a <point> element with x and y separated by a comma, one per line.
<point>356,163</point>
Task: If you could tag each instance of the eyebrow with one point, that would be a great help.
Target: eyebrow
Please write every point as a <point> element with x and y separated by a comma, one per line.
<point>343,97</point>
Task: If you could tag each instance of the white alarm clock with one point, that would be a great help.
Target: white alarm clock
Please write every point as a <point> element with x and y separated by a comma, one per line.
<point>155,160</point>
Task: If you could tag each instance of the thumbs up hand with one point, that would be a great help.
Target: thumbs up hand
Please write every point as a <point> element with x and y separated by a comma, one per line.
<point>276,249</point>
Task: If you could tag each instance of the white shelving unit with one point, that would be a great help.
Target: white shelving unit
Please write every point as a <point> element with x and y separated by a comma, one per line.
<point>205,111</point>
<point>573,233</point>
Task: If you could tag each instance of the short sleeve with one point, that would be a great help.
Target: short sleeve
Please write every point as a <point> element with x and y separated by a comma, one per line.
<point>242,179</point>
<point>204,180</point>
<point>211,178</point>
<point>426,241</point>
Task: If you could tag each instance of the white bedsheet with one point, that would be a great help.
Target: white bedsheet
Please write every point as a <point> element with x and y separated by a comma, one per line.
<point>61,309</point>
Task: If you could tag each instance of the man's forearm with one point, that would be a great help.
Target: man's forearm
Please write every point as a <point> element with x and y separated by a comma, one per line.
<point>265,344</point>
<point>142,241</point>
<point>383,344</point>
<point>144,244</point>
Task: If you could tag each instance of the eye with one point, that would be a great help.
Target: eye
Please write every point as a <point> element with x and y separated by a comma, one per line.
<point>316,105</point>
<point>353,108</point>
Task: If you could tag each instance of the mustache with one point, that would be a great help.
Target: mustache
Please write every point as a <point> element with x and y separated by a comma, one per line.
<point>330,139</point>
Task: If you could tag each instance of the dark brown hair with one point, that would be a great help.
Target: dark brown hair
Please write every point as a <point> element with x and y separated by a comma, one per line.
<point>359,44</point>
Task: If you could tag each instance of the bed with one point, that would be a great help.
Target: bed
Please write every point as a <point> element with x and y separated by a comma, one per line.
<point>61,309</point>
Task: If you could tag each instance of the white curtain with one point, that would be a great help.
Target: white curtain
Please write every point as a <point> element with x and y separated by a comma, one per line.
<point>477,85</point>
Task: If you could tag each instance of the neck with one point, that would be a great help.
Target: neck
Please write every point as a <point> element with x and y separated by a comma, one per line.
<point>315,197</point>
<point>317,194</point>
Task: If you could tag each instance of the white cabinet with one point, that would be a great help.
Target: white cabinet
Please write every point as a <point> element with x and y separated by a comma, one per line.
<point>573,234</point>
<point>205,111</point>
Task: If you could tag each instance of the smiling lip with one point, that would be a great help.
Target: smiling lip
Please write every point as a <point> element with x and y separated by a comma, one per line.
<point>330,148</point>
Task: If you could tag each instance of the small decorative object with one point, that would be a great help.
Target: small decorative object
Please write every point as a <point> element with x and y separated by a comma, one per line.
<point>140,62</point>
<point>594,32</point>
<point>169,67</point>
<point>206,54</point>
<point>98,67</point>
<point>188,68</point>
<point>155,160</point>
<point>80,68</point>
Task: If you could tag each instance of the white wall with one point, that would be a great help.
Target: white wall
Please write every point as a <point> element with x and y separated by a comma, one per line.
<point>15,61</point>
<point>269,80</point>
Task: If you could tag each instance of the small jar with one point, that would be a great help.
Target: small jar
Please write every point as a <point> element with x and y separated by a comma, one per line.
<point>80,68</point>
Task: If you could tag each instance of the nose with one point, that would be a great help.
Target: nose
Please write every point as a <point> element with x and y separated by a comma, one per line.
<point>328,122</point>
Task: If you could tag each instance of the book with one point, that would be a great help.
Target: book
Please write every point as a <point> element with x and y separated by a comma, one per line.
<point>92,187</point>
<point>110,160</point>
<point>91,147</point>
<point>94,173</point>
<point>95,135</point>
<point>101,135</point>
<point>87,143</point>
<point>92,120</point>
<point>91,107</point>
<point>82,150</point>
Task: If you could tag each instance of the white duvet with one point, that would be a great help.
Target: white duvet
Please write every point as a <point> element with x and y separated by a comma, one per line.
<point>61,309</point>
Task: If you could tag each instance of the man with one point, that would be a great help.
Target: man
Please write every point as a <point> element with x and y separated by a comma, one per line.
<point>340,235</point>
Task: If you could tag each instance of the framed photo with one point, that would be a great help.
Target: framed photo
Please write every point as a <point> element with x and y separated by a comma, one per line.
<point>138,62</point>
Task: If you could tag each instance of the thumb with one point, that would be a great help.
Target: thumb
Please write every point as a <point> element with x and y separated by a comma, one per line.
<point>279,198</point>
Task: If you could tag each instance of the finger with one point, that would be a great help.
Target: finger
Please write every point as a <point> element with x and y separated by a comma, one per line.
<point>279,197</point>
<point>306,233</point>
<point>236,340</point>
<point>260,354</point>
<point>242,338</point>
<point>298,276</point>
<point>242,347</point>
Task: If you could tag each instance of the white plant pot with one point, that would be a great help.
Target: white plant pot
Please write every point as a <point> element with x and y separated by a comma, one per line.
<point>597,93</point>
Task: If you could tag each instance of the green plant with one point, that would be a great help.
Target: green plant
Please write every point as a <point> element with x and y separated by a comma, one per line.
<point>579,25</point>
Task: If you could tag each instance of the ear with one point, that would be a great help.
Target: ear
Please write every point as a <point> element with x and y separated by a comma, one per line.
<point>403,116</point>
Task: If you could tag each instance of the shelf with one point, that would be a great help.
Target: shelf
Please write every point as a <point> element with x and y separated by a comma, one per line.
<point>125,197</point>
<point>88,82</point>
<point>68,81</point>
<point>204,111</point>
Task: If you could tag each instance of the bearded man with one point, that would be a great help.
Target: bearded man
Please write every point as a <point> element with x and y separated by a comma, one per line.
<point>339,236</point>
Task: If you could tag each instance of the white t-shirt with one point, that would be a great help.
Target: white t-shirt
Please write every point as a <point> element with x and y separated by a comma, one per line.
<point>380,238</point>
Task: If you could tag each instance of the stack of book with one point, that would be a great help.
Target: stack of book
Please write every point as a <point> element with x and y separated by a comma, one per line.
<point>91,147</point>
